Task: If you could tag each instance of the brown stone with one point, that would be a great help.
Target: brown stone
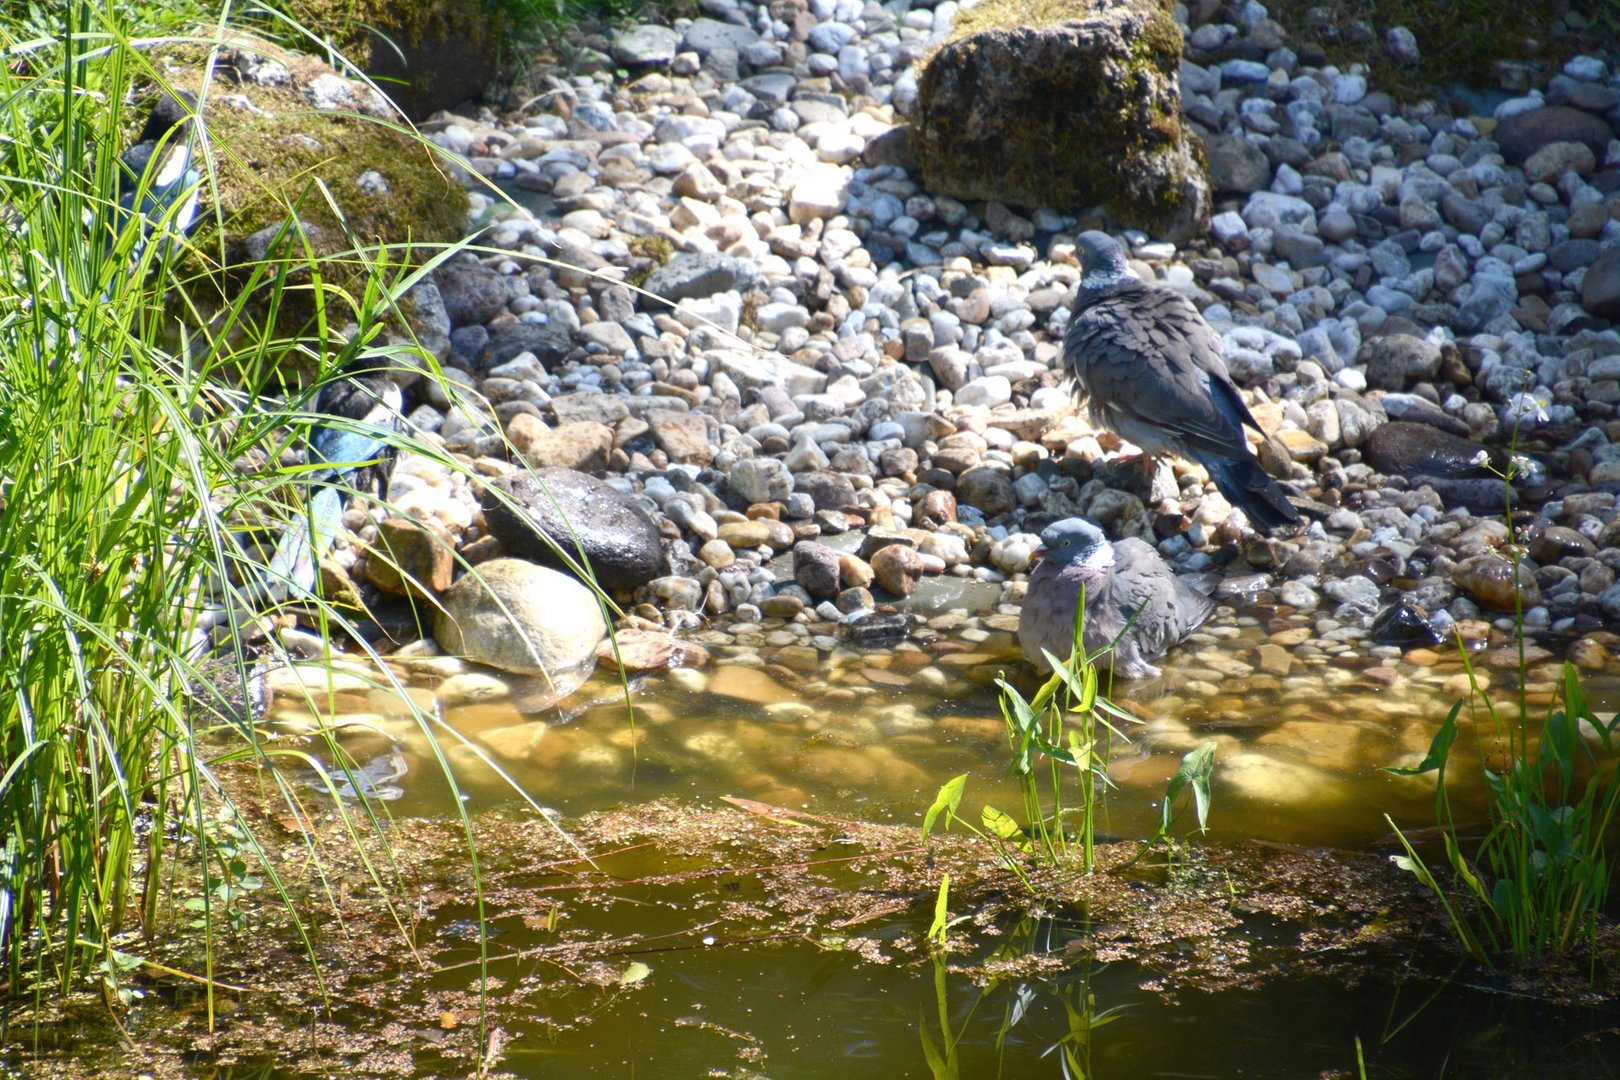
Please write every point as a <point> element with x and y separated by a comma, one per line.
<point>683,436</point>
<point>642,651</point>
<point>1274,659</point>
<point>583,446</point>
<point>854,572</point>
<point>897,568</point>
<point>748,684</point>
<point>1490,580</point>
<point>410,560</point>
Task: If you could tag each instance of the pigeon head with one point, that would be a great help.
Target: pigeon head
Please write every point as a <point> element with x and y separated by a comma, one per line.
<point>1101,260</point>
<point>1076,541</point>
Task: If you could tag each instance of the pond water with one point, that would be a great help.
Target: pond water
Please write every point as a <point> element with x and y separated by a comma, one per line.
<point>792,716</point>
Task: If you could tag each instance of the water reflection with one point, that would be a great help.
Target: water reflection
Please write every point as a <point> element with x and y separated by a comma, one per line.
<point>1028,1007</point>
<point>1300,732</point>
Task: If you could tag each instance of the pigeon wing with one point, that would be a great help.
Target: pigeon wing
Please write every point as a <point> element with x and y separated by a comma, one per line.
<point>1147,358</point>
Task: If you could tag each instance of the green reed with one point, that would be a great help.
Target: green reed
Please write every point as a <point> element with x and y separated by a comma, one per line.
<point>131,414</point>
<point>1060,743</point>
<point>1536,885</point>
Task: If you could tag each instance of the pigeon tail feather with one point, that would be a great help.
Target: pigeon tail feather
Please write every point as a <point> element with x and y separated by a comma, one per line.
<point>1247,487</point>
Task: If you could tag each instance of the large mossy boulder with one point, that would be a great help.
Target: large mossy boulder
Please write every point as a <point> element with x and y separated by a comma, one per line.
<point>425,54</point>
<point>290,139</point>
<point>1066,104</point>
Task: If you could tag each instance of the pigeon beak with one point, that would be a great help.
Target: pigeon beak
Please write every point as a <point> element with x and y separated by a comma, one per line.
<point>1038,554</point>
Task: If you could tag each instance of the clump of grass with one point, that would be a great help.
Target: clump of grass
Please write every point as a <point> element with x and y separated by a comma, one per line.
<point>1061,741</point>
<point>131,532</point>
<point>1537,884</point>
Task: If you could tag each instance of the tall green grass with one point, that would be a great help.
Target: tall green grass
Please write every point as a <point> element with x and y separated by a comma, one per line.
<point>1537,884</point>
<point>133,534</point>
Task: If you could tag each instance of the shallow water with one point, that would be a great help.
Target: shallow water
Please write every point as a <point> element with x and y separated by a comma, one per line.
<point>793,718</point>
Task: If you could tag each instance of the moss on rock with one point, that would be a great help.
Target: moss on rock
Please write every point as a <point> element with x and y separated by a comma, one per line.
<point>280,130</point>
<point>1068,104</point>
<point>426,54</point>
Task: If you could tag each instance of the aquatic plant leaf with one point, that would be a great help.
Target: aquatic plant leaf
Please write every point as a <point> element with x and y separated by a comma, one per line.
<point>1076,685</point>
<point>634,974</point>
<point>1439,748</point>
<point>936,930</point>
<point>1003,828</point>
<point>948,799</point>
<point>1194,772</point>
<point>1023,712</point>
<point>1464,872</point>
<point>931,1054</point>
<point>1558,741</point>
<point>1576,704</point>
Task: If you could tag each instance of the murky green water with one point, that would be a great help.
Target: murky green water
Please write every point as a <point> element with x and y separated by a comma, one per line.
<point>795,719</point>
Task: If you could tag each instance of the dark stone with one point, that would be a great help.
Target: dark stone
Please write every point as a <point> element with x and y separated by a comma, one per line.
<point>1404,623</point>
<point>991,490</point>
<point>1393,360</point>
<point>1467,215</point>
<point>550,344</point>
<point>473,293</point>
<point>1069,114</point>
<point>1600,289</point>
<point>1522,135</point>
<point>1236,165</point>
<point>893,147</point>
<point>816,570</point>
<point>1568,255</point>
<point>877,626</point>
<point>694,275</point>
<point>618,538</point>
<point>1403,448</point>
<point>828,490</point>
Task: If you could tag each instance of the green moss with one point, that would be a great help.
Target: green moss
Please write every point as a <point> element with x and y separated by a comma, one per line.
<point>656,249</point>
<point>1081,134</point>
<point>272,161</point>
<point>406,22</point>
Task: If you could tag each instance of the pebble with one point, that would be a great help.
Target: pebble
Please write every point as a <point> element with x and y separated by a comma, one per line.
<point>855,355</point>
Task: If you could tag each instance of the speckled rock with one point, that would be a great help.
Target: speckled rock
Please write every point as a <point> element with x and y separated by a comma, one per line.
<point>562,508</point>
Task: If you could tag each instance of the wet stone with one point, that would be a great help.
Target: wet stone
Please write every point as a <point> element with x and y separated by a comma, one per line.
<point>1491,580</point>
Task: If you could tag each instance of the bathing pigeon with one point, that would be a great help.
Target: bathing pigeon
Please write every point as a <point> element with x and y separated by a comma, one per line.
<point>1154,373</point>
<point>1121,580</point>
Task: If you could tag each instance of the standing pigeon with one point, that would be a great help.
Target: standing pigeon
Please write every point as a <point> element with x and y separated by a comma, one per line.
<point>158,182</point>
<point>1155,375</point>
<point>1121,580</point>
<point>361,409</point>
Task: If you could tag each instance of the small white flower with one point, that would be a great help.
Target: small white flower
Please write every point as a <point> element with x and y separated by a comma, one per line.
<point>1480,459</point>
<point>1529,406</point>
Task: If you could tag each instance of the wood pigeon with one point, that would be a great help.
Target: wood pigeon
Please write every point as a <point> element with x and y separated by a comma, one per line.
<point>158,180</point>
<point>360,410</point>
<point>1121,580</point>
<point>1154,373</point>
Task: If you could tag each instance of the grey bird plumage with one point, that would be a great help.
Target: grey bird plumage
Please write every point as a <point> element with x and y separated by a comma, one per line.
<point>1121,580</point>
<point>1154,374</point>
